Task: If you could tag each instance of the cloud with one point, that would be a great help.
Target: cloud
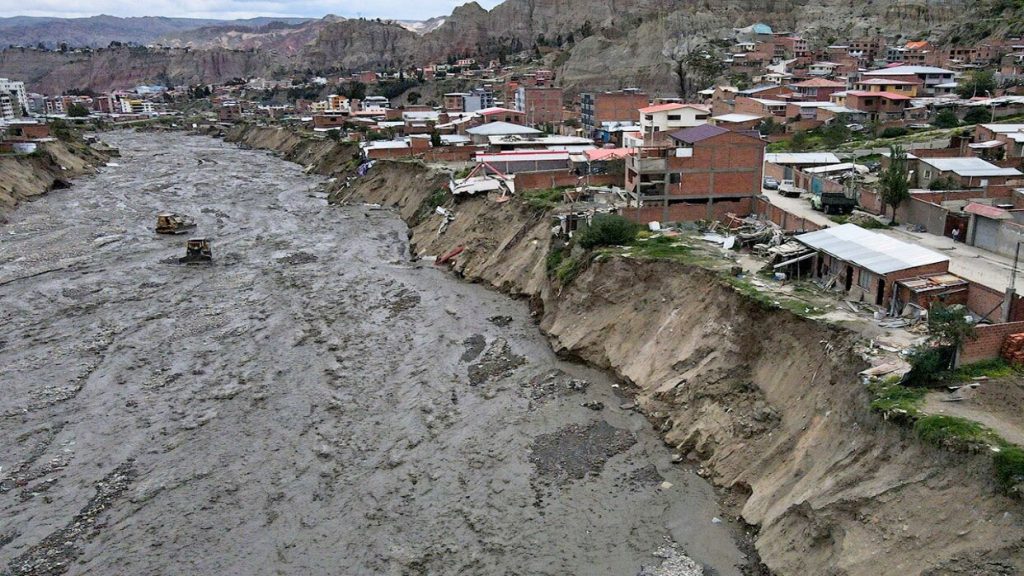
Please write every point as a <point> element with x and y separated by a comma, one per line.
<point>230,9</point>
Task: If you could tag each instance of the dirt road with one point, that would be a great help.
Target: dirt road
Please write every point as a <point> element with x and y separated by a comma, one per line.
<point>312,403</point>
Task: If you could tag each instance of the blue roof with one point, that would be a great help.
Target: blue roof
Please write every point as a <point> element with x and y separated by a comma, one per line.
<point>762,29</point>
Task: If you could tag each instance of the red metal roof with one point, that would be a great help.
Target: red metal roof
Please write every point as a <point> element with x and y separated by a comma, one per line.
<point>819,83</point>
<point>601,154</point>
<point>670,106</point>
<point>987,211</point>
<point>886,95</point>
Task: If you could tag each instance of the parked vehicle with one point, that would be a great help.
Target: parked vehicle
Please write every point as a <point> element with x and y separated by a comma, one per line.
<point>771,183</point>
<point>833,203</point>
<point>790,190</point>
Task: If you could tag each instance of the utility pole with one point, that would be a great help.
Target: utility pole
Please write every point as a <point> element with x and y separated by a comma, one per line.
<point>1011,289</point>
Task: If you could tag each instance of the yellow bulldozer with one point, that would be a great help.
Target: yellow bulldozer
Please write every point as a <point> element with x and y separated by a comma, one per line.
<point>171,223</point>
<point>197,251</point>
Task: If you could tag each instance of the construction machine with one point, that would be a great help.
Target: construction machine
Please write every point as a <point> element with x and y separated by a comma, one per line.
<point>197,251</point>
<point>171,223</point>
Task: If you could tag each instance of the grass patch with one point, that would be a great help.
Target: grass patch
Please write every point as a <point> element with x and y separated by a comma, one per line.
<point>543,200</point>
<point>996,368</point>
<point>955,433</point>
<point>872,224</point>
<point>438,198</point>
<point>1009,466</point>
<point>896,401</point>
<point>569,268</point>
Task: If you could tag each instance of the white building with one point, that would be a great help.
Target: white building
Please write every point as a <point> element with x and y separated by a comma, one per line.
<point>376,103</point>
<point>19,98</point>
<point>6,106</point>
<point>937,81</point>
<point>672,116</point>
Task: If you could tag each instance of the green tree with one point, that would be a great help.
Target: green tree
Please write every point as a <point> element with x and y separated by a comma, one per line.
<point>835,134</point>
<point>977,83</point>
<point>413,97</point>
<point>334,134</point>
<point>978,115</point>
<point>892,184</point>
<point>435,139</point>
<point>946,119</point>
<point>950,327</point>
<point>356,91</point>
<point>770,127</point>
<point>799,142</point>
<point>76,110</point>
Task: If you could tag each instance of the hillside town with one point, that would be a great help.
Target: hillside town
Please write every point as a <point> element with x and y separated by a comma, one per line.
<point>347,295</point>
<point>794,136</point>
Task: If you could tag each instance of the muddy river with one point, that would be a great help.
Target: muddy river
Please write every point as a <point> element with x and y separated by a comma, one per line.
<point>310,403</point>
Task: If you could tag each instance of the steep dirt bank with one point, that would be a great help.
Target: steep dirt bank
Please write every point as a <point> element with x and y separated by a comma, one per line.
<point>767,403</point>
<point>51,166</point>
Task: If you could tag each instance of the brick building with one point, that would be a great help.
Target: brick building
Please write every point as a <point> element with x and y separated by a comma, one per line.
<point>541,105</point>
<point>706,170</point>
<point>601,107</point>
<point>879,106</point>
<point>867,264</point>
<point>818,88</point>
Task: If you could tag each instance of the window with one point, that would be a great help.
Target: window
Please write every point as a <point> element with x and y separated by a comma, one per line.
<point>864,279</point>
<point>675,178</point>
<point>673,117</point>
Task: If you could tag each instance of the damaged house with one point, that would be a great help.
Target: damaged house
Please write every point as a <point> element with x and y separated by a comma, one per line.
<point>867,265</point>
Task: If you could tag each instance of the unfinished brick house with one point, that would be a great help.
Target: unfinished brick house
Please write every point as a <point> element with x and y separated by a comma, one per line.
<point>706,172</point>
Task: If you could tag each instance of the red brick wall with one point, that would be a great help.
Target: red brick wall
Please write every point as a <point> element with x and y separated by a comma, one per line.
<point>683,212</point>
<point>442,154</point>
<point>543,105</point>
<point>984,300</point>
<point>789,222</point>
<point>727,165</point>
<point>559,178</point>
<point>990,340</point>
<point>939,152</point>
<point>612,107</point>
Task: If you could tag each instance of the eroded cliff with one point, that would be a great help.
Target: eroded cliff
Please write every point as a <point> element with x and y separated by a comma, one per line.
<point>768,405</point>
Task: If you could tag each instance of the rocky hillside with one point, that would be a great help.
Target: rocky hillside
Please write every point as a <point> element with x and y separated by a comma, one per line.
<point>603,44</point>
<point>124,67</point>
<point>276,37</point>
<point>97,31</point>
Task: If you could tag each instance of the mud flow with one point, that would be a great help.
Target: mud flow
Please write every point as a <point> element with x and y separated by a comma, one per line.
<point>312,402</point>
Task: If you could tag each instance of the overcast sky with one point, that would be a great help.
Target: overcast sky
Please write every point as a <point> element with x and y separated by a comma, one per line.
<point>396,9</point>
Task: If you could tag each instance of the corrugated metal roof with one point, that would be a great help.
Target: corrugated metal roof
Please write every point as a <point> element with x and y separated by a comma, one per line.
<point>875,252</point>
<point>969,167</point>
<point>987,211</point>
<point>500,129</point>
<point>801,158</point>
<point>900,70</point>
<point>698,133</point>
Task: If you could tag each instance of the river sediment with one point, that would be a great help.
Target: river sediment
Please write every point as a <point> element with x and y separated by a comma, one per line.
<point>312,402</point>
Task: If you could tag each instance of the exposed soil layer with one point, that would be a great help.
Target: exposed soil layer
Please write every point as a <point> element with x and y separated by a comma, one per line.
<point>312,402</point>
<point>52,166</point>
<point>768,404</point>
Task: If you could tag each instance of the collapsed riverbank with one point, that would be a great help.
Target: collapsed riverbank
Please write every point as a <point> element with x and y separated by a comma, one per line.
<point>51,166</point>
<point>768,404</point>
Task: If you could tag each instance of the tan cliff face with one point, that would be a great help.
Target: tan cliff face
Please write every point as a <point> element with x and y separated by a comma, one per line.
<point>125,68</point>
<point>630,42</point>
<point>768,404</point>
